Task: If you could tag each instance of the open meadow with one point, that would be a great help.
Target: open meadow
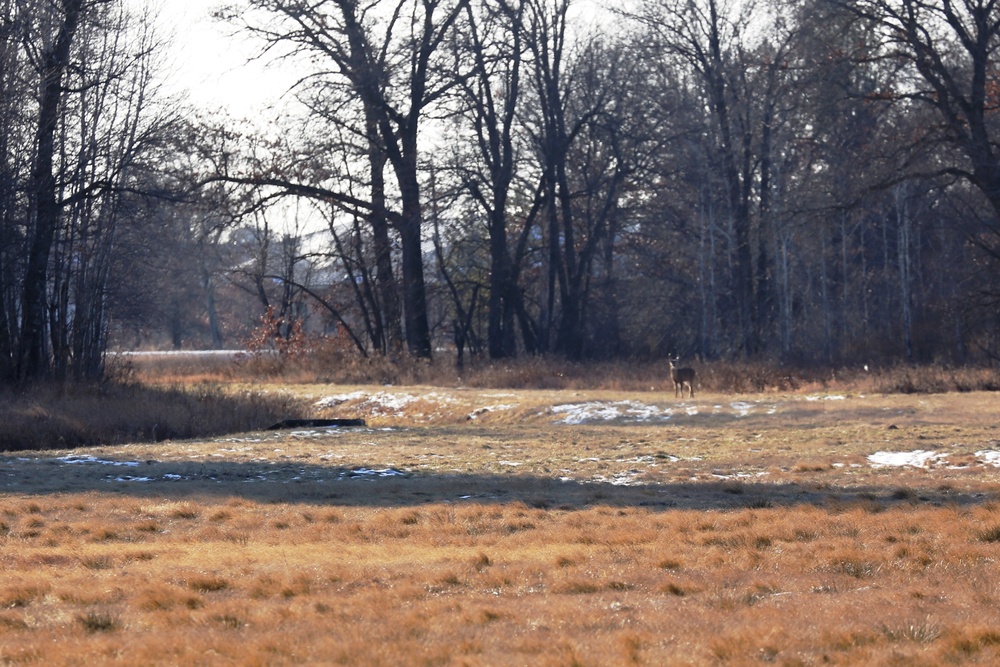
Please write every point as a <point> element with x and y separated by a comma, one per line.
<point>477,526</point>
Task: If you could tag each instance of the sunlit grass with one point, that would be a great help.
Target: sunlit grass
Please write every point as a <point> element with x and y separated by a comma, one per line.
<point>732,529</point>
<point>499,584</point>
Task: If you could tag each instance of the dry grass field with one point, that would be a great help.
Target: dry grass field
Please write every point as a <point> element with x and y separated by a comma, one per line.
<point>520,527</point>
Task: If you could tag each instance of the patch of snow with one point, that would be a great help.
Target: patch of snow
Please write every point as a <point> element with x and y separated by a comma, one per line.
<point>391,402</point>
<point>381,403</point>
<point>490,408</point>
<point>990,457</point>
<point>742,409</point>
<point>331,401</point>
<point>625,478</point>
<point>581,413</point>
<point>367,472</point>
<point>920,458</point>
<point>739,475</point>
<point>74,459</point>
<point>834,397</point>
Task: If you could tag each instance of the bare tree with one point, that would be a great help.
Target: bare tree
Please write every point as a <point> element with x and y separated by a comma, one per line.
<point>494,34</point>
<point>91,63</point>
<point>388,56</point>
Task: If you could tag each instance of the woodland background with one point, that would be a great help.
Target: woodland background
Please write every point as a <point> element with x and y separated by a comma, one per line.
<point>810,182</point>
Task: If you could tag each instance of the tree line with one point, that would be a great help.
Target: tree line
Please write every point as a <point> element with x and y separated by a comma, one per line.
<point>812,181</point>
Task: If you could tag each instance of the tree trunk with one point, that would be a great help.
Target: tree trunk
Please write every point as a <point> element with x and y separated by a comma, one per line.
<point>388,325</point>
<point>418,336</point>
<point>33,360</point>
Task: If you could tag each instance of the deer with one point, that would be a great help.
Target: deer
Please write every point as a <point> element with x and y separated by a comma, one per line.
<point>681,377</point>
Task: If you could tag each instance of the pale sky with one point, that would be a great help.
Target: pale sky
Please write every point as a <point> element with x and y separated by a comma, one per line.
<point>211,65</point>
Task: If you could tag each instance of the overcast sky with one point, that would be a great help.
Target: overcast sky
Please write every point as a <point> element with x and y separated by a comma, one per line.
<point>212,65</point>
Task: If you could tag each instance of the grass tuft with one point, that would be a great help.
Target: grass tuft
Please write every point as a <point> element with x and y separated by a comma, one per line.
<point>991,534</point>
<point>94,621</point>
<point>208,584</point>
<point>924,632</point>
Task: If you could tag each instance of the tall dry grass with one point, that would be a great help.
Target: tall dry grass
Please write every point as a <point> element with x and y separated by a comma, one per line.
<point>736,540</point>
<point>169,396</point>
<point>60,416</point>
<point>724,377</point>
<point>231,581</point>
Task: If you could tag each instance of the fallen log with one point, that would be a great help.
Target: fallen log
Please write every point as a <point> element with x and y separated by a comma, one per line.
<point>315,423</point>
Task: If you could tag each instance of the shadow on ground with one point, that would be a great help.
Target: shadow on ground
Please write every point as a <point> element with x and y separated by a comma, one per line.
<point>342,486</point>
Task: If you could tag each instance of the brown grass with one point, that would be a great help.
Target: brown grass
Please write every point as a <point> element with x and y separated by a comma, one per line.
<point>588,586</point>
<point>74,416</point>
<point>327,367</point>
<point>736,530</point>
<point>175,396</point>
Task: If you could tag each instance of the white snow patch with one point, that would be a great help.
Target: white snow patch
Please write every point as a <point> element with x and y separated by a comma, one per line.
<point>74,459</point>
<point>920,458</point>
<point>624,478</point>
<point>382,403</point>
<point>384,472</point>
<point>331,401</point>
<point>580,413</point>
<point>742,409</point>
<point>990,457</point>
<point>739,475</point>
<point>490,408</point>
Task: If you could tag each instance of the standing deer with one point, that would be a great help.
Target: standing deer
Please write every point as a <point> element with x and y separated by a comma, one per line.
<point>681,377</point>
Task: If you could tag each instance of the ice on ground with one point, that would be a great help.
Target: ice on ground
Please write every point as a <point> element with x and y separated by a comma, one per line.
<point>920,458</point>
<point>581,413</point>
